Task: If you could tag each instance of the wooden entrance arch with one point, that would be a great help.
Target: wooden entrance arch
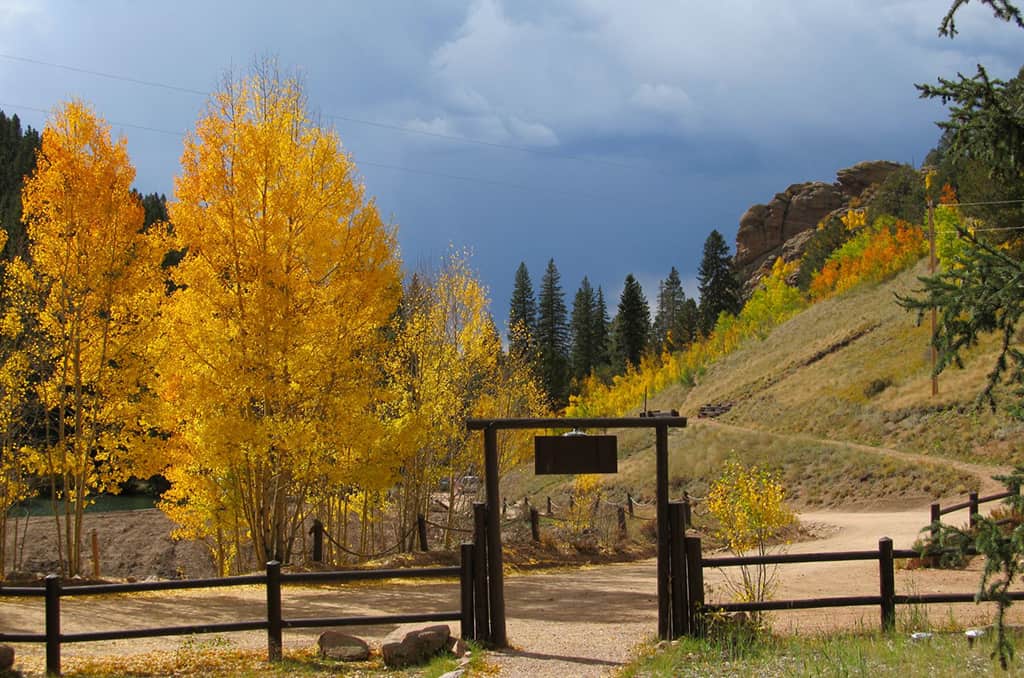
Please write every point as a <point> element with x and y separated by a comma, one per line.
<point>670,608</point>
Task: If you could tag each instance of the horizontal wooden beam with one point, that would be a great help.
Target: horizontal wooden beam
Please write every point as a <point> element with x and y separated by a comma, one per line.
<point>577,423</point>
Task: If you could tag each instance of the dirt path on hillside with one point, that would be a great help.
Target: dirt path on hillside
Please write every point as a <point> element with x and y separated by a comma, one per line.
<point>982,472</point>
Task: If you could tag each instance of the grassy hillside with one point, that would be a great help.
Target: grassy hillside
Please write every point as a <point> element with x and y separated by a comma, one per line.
<point>854,369</point>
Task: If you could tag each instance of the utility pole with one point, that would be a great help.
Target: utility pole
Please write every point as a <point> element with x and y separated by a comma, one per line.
<point>931,271</point>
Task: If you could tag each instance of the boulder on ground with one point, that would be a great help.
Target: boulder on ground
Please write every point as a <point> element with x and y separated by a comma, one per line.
<point>417,646</point>
<point>398,655</point>
<point>342,646</point>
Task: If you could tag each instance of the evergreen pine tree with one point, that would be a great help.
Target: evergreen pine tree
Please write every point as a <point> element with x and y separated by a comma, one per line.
<point>601,329</point>
<point>719,288</point>
<point>672,328</point>
<point>17,160</point>
<point>552,338</point>
<point>632,324</point>
<point>583,357</point>
<point>522,314</point>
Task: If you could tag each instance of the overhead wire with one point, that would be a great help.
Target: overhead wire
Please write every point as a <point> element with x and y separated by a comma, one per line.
<point>345,118</point>
<point>367,163</point>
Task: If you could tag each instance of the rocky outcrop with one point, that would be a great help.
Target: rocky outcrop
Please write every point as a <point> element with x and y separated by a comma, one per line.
<point>782,227</point>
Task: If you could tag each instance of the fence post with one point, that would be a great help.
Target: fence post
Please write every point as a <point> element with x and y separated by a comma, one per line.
<point>629,503</point>
<point>534,524</point>
<point>318,540</point>
<point>695,586</point>
<point>936,519</point>
<point>677,569</point>
<point>53,625</point>
<point>972,499</point>
<point>274,623</point>
<point>887,583</point>
<point>549,507</point>
<point>467,623</point>
<point>481,612</point>
<point>421,528</point>
<point>687,512</point>
<point>623,532</point>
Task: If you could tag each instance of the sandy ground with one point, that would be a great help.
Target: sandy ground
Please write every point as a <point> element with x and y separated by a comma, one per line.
<point>580,622</point>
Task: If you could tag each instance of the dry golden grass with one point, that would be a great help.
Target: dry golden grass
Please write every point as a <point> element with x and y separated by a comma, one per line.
<point>855,368</point>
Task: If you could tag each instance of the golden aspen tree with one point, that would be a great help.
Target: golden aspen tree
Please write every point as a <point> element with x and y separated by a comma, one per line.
<point>15,369</point>
<point>99,282</point>
<point>442,358</point>
<point>288,277</point>
<point>448,361</point>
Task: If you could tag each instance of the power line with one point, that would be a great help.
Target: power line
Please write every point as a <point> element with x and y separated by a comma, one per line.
<point>110,122</point>
<point>367,163</point>
<point>360,121</point>
<point>101,74</point>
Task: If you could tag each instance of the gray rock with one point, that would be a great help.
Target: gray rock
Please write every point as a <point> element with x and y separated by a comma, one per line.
<point>398,655</point>
<point>342,646</point>
<point>6,657</point>
<point>428,641</point>
<point>457,673</point>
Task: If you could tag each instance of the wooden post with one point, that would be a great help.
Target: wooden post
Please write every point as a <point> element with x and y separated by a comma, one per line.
<point>504,507</point>
<point>664,572</point>
<point>95,555</point>
<point>481,612</point>
<point>52,625</point>
<point>421,528</point>
<point>274,622</point>
<point>887,583</point>
<point>495,575</point>
<point>677,552</point>
<point>972,499</point>
<point>623,531</point>
<point>936,519</point>
<point>550,513</point>
<point>694,586</point>
<point>318,540</point>
<point>534,524</point>
<point>629,503</point>
<point>687,512</point>
<point>467,626</point>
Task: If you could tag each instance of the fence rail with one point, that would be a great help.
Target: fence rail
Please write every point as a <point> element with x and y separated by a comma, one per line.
<point>973,503</point>
<point>887,598</point>
<point>273,624</point>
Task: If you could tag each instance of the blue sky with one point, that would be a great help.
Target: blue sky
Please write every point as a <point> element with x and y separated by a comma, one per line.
<point>611,136</point>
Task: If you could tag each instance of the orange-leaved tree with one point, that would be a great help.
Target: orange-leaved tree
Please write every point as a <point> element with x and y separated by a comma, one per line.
<point>98,277</point>
<point>288,278</point>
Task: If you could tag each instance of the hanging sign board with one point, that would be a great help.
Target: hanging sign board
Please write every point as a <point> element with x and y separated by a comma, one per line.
<point>575,454</point>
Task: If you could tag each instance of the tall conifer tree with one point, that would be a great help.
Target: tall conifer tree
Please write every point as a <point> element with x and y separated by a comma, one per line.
<point>583,357</point>
<point>522,314</point>
<point>672,325</point>
<point>553,337</point>
<point>601,329</point>
<point>632,324</point>
<point>719,288</point>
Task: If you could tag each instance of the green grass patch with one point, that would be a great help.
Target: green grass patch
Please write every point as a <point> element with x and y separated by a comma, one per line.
<point>744,653</point>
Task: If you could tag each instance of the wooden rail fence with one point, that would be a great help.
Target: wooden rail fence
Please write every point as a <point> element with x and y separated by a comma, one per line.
<point>273,579</point>
<point>886,600</point>
<point>973,503</point>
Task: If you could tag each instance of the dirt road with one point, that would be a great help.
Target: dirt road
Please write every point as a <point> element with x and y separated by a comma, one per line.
<point>578,622</point>
<point>581,622</point>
